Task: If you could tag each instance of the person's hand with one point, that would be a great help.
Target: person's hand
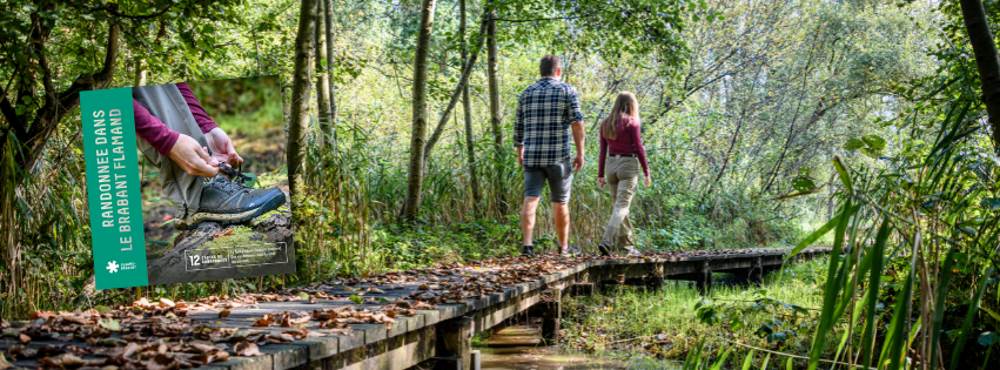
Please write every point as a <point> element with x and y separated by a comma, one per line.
<point>578,163</point>
<point>520,156</point>
<point>600,182</point>
<point>192,157</point>
<point>648,181</point>
<point>222,147</point>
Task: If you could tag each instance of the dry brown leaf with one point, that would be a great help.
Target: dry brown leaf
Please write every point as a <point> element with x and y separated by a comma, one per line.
<point>224,313</point>
<point>203,347</point>
<point>41,315</point>
<point>167,303</point>
<point>65,360</point>
<point>266,320</point>
<point>246,348</point>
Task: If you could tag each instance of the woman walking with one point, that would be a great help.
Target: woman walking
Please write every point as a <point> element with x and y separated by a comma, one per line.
<point>622,156</point>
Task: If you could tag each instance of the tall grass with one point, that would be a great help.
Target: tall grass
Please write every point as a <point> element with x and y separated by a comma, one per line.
<point>678,323</point>
<point>926,221</point>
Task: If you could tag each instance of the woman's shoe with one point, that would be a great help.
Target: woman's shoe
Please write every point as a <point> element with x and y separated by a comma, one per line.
<point>570,251</point>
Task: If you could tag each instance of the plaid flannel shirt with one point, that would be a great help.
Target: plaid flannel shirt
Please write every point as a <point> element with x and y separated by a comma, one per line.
<point>545,111</point>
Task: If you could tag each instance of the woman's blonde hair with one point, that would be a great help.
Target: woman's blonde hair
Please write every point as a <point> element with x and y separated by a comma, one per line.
<point>625,104</point>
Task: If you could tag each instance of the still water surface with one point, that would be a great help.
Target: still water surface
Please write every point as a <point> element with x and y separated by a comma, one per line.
<point>519,348</point>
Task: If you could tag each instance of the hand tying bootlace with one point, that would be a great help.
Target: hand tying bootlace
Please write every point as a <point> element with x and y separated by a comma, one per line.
<point>235,175</point>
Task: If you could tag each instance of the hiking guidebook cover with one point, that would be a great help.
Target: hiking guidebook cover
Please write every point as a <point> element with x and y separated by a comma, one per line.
<point>186,182</point>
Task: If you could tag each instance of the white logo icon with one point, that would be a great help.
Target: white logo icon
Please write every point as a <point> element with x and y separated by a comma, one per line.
<point>112,267</point>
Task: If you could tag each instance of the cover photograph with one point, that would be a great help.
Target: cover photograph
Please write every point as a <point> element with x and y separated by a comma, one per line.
<point>187,182</point>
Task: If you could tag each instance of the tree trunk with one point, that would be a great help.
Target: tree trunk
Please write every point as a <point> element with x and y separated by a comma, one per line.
<point>467,109</point>
<point>491,72</point>
<point>140,72</point>
<point>301,78</point>
<point>415,178</point>
<point>987,62</point>
<point>24,138</point>
<point>328,15</point>
<point>463,82</point>
<point>322,78</point>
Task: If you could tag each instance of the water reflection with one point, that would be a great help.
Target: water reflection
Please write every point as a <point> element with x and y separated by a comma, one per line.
<point>542,358</point>
<point>520,347</point>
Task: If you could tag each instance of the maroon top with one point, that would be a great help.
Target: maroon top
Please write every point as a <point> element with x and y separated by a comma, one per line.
<point>627,141</point>
<point>156,133</point>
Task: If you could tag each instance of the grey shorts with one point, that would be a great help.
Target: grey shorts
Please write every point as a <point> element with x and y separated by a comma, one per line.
<point>559,177</point>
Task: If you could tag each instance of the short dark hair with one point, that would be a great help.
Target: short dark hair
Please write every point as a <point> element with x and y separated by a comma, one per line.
<point>549,65</point>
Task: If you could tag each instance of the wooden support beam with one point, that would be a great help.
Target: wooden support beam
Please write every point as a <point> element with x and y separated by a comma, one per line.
<point>654,283</point>
<point>704,281</point>
<point>454,344</point>
<point>477,359</point>
<point>551,315</point>
<point>756,276</point>
<point>581,289</point>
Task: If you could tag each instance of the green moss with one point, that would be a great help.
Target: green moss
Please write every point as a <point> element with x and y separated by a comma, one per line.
<point>242,237</point>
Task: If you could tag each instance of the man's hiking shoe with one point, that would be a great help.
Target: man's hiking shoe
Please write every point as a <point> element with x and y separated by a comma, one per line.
<point>605,251</point>
<point>230,202</point>
<point>527,251</point>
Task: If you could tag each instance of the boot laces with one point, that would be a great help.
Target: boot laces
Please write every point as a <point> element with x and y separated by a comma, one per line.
<point>229,186</point>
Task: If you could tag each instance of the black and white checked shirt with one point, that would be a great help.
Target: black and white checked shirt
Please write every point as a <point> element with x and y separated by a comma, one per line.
<point>545,111</point>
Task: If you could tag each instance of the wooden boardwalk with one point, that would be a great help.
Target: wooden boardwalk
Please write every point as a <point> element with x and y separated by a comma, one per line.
<point>391,321</point>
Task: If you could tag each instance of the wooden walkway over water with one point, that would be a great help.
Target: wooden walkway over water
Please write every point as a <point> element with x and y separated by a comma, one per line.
<point>391,321</point>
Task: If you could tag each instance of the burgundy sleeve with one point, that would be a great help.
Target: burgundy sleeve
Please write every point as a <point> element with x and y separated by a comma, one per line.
<point>640,148</point>
<point>205,122</point>
<point>602,155</point>
<point>152,130</point>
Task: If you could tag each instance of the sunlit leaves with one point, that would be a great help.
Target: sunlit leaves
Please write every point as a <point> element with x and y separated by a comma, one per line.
<point>803,183</point>
<point>871,145</point>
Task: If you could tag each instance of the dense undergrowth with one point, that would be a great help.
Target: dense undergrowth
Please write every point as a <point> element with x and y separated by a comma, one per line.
<point>676,320</point>
<point>741,125</point>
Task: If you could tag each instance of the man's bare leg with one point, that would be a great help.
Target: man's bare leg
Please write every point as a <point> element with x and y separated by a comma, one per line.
<point>561,214</point>
<point>528,220</point>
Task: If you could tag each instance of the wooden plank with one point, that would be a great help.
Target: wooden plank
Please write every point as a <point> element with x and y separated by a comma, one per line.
<point>409,350</point>
<point>321,347</point>
<point>372,332</point>
<point>410,340</point>
<point>287,355</point>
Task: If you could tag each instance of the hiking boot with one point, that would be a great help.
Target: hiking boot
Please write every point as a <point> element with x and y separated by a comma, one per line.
<point>527,251</point>
<point>632,252</point>
<point>230,202</point>
<point>605,251</point>
<point>570,251</point>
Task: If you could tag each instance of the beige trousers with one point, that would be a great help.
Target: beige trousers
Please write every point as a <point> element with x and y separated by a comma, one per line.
<point>622,176</point>
<point>166,103</point>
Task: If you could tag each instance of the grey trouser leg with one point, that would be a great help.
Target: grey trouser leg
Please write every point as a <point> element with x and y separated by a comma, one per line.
<point>622,174</point>
<point>167,104</point>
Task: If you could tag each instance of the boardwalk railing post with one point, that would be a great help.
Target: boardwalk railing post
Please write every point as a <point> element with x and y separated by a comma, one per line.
<point>704,279</point>
<point>581,289</point>
<point>551,315</point>
<point>757,273</point>
<point>454,344</point>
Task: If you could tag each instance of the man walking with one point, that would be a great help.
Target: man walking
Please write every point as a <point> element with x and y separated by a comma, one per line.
<point>546,111</point>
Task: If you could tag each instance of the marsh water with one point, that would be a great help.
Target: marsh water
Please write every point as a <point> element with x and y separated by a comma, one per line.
<point>520,348</point>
